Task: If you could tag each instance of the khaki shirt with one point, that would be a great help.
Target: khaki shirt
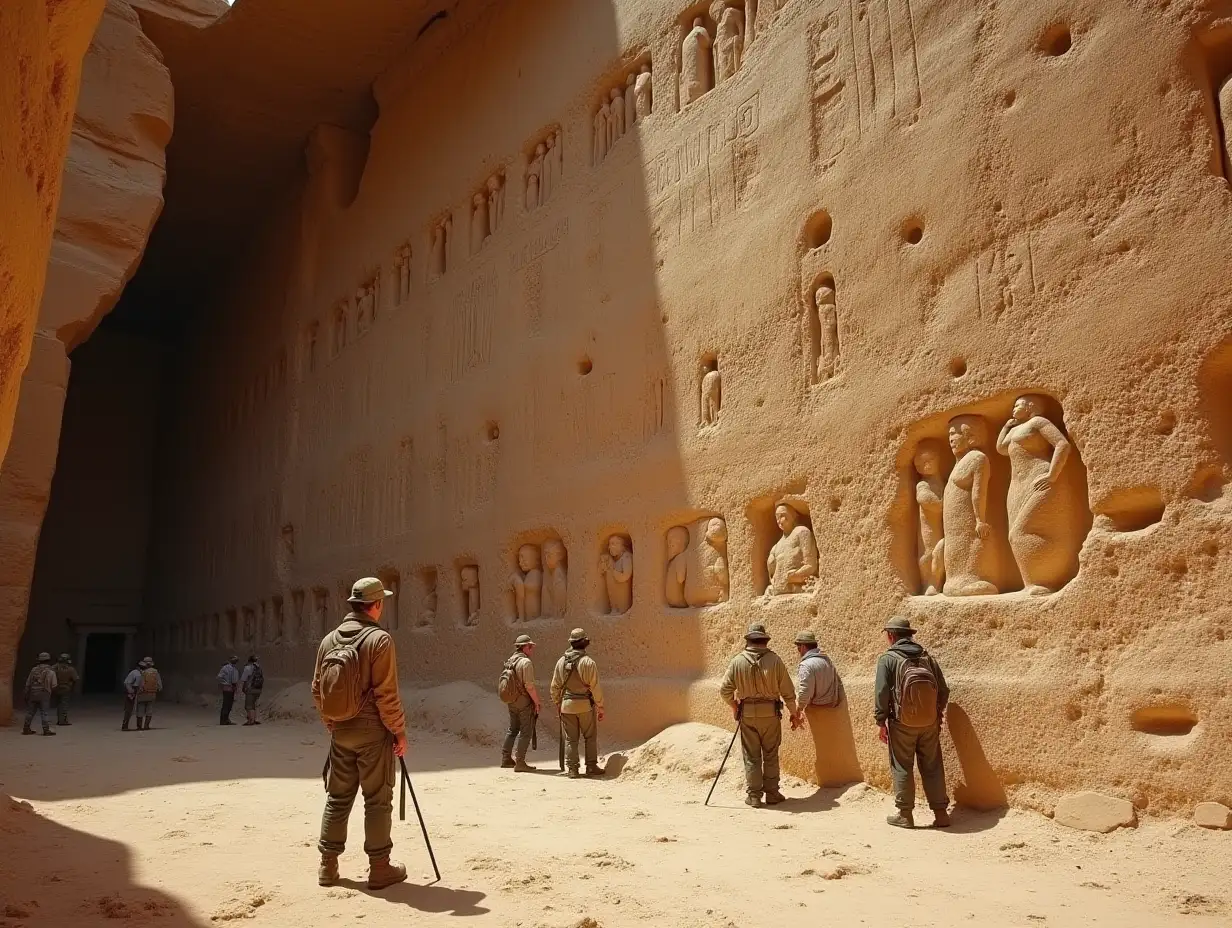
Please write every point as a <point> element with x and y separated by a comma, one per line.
<point>584,679</point>
<point>379,666</point>
<point>42,679</point>
<point>66,678</point>
<point>757,673</point>
<point>524,671</point>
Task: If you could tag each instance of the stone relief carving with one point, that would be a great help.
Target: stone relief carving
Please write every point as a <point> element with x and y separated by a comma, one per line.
<point>711,393</point>
<point>696,64</point>
<point>442,233</point>
<point>480,230</point>
<point>338,329</point>
<point>967,556</point>
<point>1041,503</point>
<point>643,91</point>
<point>527,583</point>
<point>546,167</point>
<point>729,43</point>
<point>929,463</point>
<point>402,274</point>
<point>496,201</point>
<point>630,97</point>
<point>534,178</point>
<point>469,575</point>
<point>620,109</point>
<point>826,322</point>
<point>365,306</point>
<point>599,148</point>
<point>697,572</point>
<point>555,579</point>
<point>616,567</point>
<point>615,117</point>
<point>426,613</point>
<point>793,561</point>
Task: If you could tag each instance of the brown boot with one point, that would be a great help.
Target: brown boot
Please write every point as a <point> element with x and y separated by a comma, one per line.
<point>327,872</point>
<point>902,820</point>
<point>140,723</point>
<point>523,767</point>
<point>507,763</point>
<point>383,872</point>
<point>774,797</point>
<point>941,818</point>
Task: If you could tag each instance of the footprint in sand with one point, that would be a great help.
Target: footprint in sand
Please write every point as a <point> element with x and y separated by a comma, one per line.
<point>244,904</point>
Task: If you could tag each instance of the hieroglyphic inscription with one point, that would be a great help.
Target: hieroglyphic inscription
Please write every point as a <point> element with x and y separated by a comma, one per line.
<point>470,331</point>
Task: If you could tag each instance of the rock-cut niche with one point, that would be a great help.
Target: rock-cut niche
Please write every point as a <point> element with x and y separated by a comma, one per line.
<point>993,499</point>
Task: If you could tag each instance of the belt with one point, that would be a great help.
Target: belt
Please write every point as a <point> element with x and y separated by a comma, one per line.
<point>760,699</point>
<point>569,695</point>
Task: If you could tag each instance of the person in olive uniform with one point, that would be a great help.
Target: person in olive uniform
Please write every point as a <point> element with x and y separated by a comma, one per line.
<point>578,698</point>
<point>524,710</point>
<point>40,684</point>
<point>757,686</point>
<point>66,681</point>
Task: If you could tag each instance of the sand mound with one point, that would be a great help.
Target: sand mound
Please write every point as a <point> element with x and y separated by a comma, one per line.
<point>690,751</point>
<point>463,709</point>
<point>295,702</point>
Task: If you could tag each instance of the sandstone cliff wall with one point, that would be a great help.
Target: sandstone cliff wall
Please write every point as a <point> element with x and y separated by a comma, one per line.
<point>883,218</point>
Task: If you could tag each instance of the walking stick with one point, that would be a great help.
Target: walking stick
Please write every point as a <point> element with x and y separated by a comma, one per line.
<point>730,745</point>
<point>560,722</point>
<point>534,734</point>
<point>406,784</point>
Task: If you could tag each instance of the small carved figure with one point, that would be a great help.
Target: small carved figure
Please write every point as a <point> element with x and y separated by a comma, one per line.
<point>1042,506</point>
<point>427,606</point>
<point>643,89</point>
<point>402,268</point>
<point>558,156</point>
<point>532,187</point>
<point>729,43</point>
<point>600,143</point>
<point>616,565</point>
<point>365,307</point>
<point>930,499</point>
<point>548,180</point>
<point>470,593</point>
<point>827,323</point>
<point>527,583</point>
<point>712,396</point>
<point>630,97</point>
<point>707,580</point>
<point>677,566</point>
<point>440,245</point>
<point>555,579</point>
<point>340,329</point>
<point>496,202</point>
<point>696,74</point>
<point>967,553</point>
<point>792,563</point>
<point>750,21</point>
<point>479,222</point>
<point>616,118</point>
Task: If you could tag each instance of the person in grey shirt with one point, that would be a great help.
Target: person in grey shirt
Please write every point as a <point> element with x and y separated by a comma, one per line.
<point>817,680</point>
<point>228,680</point>
<point>252,681</point>
<point>132,683</point>
<point>147,691</point>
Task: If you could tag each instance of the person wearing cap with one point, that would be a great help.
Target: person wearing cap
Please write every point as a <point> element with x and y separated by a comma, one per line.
<point>524,710</point>
<point>66,680</point>
<point>363,747</point>
<point>757,686</point>
<point>228,679</point>
<point>147,691</point>
<point>906,673</point>
<point>132,683</point>
<point>252,681</point>
<point>40,684</point>
<point>817,681</point>
<point>578,698</point>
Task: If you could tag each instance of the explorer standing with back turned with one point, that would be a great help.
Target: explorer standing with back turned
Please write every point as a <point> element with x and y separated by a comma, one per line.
<point>516,688</point>
<point>579,700</point>
<point>909,705</point>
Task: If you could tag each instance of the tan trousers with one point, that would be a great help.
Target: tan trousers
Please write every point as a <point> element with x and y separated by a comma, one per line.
<point>759,743</point>
<point>581,727</point>
<point>359,758</point>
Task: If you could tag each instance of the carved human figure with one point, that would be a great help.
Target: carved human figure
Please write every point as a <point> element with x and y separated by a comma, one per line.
<point>707,580</point>
<point>712,396</point>
<point>470,593</point>
<point>601,133</point>
<point>630,98</point>
<point>427,608</point>
<point>616,565</point>
<point>750,21</point>
<point>930,500</point>
<point>496,202</point>
<point>440,245</point>
<point>1225,124</point>
<point>827,324</point>
<point>678,553</point>
<point>967,553</point>
<point>532,185</point>
<point>402,263</point>
<point>696,73</point>
<point>479,221</point>
<point>643,90</point>
<point>1041,505</point>
<point>527,583</point>
<point>555,579</point>
<point>615,117</point>
<point>363,310</point>
<point>728,43</point>
<point>548,180</point>
<point>792,563</point>
<point>557,154</point>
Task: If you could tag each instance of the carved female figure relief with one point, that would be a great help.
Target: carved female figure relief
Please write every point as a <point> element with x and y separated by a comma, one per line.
<point>402,269</point>
<point>728,43</point>
<point>1042,507</point>
<point>616,566</point>
<point>555,579</point>
<point>707,582</point>
<point>548,181</point>
<point>470,594</point>
<point>792,563</point>
<point>642,90</point>
<point>930,499</point>
<point>440,245</point>
<point>527,583</point>
<point>677,566</point>
<point>630,97</point>
<point>711,394</point>
<point>967,555</point>
<point>826,323</point>
<point>534,178</point>
<point>696,73</point>
<point>496,202</point>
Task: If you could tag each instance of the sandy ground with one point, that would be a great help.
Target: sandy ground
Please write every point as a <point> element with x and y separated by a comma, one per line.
<point>193,824</point>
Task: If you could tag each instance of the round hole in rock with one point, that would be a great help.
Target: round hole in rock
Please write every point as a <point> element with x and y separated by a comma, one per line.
<point>958,367</point>
<point>1008,100</point>
<point>584,366</point>
<point>913,231</point>
<point>1056,40</point>
<point>817,231</point>
<point>1164,721</point>
<point>492,430</point>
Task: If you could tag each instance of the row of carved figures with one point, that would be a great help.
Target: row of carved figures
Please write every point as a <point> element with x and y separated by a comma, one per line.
<point>707,60</point>
<point>620,109</point>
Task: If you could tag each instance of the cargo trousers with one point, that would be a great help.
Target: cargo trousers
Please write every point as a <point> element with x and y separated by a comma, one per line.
<point>38,701</point>
<point>908,745</point>
<point>581,728</point>
<point>359,758</point>
<point>521,727</point>
<point>760,738</point>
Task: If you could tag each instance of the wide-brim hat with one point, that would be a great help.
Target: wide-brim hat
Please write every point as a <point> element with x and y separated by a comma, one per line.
<point>44,656</point>
<point>368,590</point>
<point>579,634</point>
<point>66,657</point>
<point>902,626</point>
<point>757,632</point>
<point>806,637</point>
<point>522,641</point>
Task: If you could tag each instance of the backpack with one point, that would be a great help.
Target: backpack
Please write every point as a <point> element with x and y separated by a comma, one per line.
<point>149,681</point>
<point>917,692</point>
<point>340,678</point>
<point>257,680</point>
<point>509,686</point>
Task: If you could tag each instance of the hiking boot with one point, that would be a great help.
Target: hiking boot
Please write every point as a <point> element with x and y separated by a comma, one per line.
<point>572,775</point>
<point>595,771</point>
<point>149,721</point>
<point>327,871</point>
<point>27,731</point>
<point>47,732</point>
<point>754,801</point>
<point>774,797</point>
<point>382,872</point>
<point>506,763</point>
<point>125,728</point>
<point>901,820</point>
<point>64,722</point>
<point>941,818</point>
<point>141,724</point>
<point>523,767</point>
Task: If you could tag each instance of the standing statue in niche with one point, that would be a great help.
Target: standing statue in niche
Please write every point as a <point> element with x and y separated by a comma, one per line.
<point>427,605</point>
<point>728,44</point>
<point>470,594</point>
<point>363,310</point>
<point>402,268</point>
<point>712,396</point>
<point>930,499</point>
<point>527,583</point>
<point>750,21</point>
<point>696,76</point>
<point>967,553</point>
<point>707,580</point>
<point>556,153</point>
<point>600,144</point>
<point>548,181</point>
<point>677,566</point>
<point>555,579</point>
<point>440,245</point>
<point>630,97</point>
<point>615,118</point>
<point>496,202</point>
<point>479,222</point>
<point>642,90</point>
<point>616,565</point>
<point>827,322</point>
<point>1043,509</point>
<point>532,186</point>
<point>792,563</point>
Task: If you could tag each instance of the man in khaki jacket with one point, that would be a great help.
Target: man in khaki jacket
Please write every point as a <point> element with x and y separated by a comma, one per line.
<point>579,700</point>
<point>362,748</point>
<point>757,686</point>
